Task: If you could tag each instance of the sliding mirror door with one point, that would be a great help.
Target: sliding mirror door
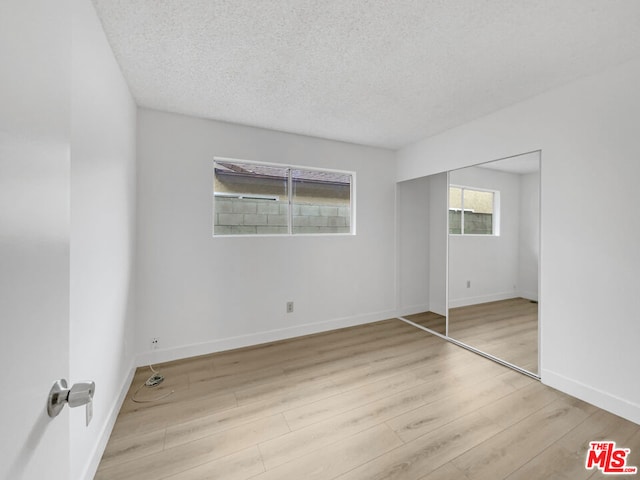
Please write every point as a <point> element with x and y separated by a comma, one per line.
<point>422,240</point>
<point>494,225</point>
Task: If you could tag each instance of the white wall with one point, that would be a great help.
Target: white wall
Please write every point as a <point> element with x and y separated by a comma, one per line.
<point>588,134</point>
<point>103,126</point>
<point>489,262</point>
<point>529,236</point>
<point>34,235</point>
<point>200,294</point>
<point>413,246</point>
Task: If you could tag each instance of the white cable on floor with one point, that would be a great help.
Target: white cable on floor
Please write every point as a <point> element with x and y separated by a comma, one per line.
<point>153,381</point>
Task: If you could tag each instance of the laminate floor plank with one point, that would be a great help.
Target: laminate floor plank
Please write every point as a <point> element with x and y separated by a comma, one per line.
<point>508,450</point>
<point>359,352</point>
<point>441,358</point>
<point>520,404</point>
<point>377,401</point>
<point>425,454</point>
<point>347,371</point>
<point>371,386</point>
<point>565,458</point>
<point>319,435</point>
<point>326,408</point>
<point>300,347</point>
<point>222,380</point>
<point>166,413</point>
<point>408,354</point>
<point>338,458</point>
<point>185,432</point>
<point>448,471</point>
<point>184,457</point>
<point>428,417</point>
<point>507,329</point>
<point>431,320</point>
<point>133,446</point>
<point>242,465</point>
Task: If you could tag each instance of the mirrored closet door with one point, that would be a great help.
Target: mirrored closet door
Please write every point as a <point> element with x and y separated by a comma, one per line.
<point>493,258</point>
<point>422,212</point>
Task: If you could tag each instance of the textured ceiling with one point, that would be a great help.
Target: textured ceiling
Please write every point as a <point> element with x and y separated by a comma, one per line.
<point>380,72</point>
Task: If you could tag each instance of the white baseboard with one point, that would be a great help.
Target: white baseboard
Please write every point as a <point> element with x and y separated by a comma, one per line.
<point>96,455</point>
<point>611,403</point>
<point>494,297</point>
<point>176,353</point>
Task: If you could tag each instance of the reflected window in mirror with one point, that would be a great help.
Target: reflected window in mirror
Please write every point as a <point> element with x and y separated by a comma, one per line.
<point>473,211</point>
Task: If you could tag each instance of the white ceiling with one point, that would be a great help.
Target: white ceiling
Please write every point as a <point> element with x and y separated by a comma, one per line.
<point>376,72</point>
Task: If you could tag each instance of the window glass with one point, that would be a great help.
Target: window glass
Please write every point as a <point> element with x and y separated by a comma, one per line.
<point>321,201</point>
<point>471,211</point>
<point>478,212</point>
<point>455,210</point>
<point>250,199</point>
<point>262,199</point>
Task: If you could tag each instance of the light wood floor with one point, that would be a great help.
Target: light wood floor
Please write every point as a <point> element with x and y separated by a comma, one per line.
<point>431,320</point>
<point>507,329</point>
<point>379,401</point>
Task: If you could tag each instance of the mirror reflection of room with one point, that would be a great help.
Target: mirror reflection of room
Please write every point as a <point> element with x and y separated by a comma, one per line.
<point>422,213</point>
<point>493,258</point>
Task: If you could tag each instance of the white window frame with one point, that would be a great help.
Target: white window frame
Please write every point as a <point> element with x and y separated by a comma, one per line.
<point>290,233</point>
<point>495,222</point>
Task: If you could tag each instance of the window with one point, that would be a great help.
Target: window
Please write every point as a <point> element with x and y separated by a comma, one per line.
<point>473,211</point>
<point>268,199</point>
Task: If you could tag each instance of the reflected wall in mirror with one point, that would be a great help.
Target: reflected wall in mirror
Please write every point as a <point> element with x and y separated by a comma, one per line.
<point>494,225</point>
<point>422,226</point>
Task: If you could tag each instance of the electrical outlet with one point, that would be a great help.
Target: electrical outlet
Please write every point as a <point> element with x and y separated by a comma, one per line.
<point>154,343</point>
<point>468,283</point>
<point>289,307</point>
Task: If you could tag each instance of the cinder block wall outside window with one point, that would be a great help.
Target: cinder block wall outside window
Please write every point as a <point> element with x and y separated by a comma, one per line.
<point>267,217</point>
<point>317,208</point>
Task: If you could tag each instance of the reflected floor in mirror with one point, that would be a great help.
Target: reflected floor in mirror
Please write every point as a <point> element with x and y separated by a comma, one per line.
<point>430,320</point>
<point>507,329</point>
